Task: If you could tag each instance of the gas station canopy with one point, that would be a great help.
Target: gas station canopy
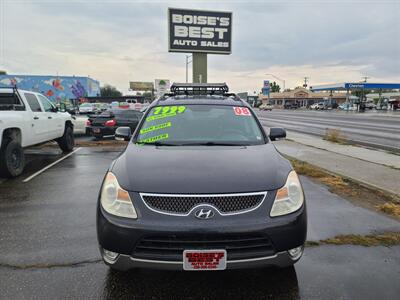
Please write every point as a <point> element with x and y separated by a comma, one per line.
<point>355,85</point>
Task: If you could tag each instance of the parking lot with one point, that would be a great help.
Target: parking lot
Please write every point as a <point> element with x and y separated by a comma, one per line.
<point>49,248</point>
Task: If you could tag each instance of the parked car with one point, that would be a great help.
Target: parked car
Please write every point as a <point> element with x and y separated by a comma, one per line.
<point>370,104</point>
<point>266,107</point>
<point>88,108</point>
<point>318,106</point>
<point>200,186</point>
<point>105,123</point>
<point>80,125</point>
<point>26,119</point>
<point>124,105</point>
<point>394,103</point>
<point>102,106</point>
<point>134,104</point>
<point>290,105</point>
<point>348,107</point>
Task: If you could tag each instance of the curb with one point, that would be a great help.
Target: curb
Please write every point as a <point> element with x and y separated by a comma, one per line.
<point>358,181</point>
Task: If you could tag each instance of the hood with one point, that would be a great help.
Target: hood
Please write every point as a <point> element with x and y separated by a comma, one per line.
<point>201,169</point>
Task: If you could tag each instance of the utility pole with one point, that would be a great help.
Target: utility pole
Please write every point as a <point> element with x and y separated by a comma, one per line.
<point>199,66</point>
<point>187,66</point>
<point>362,96</point>
<point>306,79</point>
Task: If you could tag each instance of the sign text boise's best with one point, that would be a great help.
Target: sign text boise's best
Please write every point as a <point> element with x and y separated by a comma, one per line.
<point>199,31</point>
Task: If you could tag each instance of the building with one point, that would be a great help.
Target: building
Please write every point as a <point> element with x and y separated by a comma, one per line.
<point>302,97</point>
<point>391,100</point>
<point>56,88</point>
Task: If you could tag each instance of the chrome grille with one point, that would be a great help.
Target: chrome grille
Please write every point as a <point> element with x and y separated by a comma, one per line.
<point>183,204</point>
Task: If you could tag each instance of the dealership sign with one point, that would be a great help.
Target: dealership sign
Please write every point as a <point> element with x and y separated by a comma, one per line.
<point>141,86</point>
<point>199,31</point>
<point>162,86</point>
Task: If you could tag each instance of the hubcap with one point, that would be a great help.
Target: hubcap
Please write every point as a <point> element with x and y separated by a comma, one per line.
<point>15,159</point>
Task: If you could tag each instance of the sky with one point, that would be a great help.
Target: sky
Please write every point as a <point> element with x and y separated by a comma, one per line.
<point>125,40</point>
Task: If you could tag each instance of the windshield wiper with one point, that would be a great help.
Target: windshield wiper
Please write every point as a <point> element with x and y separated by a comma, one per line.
<point>211,144</point>
<point>157,143</point>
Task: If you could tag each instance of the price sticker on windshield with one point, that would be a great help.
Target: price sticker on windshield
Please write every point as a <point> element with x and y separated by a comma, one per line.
<point>241,111</point>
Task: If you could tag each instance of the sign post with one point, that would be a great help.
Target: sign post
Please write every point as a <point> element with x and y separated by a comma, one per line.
<point>199,64</point>
<point>266,89</point>
<point>199,32</point>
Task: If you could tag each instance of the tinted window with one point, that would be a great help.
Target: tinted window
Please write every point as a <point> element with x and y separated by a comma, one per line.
<point>201,124</point>
<point>33,102</point>
<point>122,113</point>
<point>45,103</point>
<point>8,99</point>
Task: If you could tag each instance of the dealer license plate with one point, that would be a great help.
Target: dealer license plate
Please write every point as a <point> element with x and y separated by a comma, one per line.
<point>204,260</point>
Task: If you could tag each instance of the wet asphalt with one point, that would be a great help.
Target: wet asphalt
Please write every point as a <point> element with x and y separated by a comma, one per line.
<point>48,246</point>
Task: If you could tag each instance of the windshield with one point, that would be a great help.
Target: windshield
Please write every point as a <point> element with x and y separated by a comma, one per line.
<point>85,105</point>
<point>200,125</point>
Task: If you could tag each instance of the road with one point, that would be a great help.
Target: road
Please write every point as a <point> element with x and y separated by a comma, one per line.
<point>377,130</point>
<point>48,246</point>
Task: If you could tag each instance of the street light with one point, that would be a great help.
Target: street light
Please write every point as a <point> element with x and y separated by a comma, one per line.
<point>282,80</point>
<point>187,65</point>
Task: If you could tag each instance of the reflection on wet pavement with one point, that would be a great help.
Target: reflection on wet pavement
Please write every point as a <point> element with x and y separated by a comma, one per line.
<point>251,284</point>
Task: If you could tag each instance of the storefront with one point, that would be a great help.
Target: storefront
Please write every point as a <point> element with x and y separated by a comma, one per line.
<point>302,97</point>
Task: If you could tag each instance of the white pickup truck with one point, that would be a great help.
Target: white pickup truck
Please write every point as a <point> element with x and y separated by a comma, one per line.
<point>26,119</point>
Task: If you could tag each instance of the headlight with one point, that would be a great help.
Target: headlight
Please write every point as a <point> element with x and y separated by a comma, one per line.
<point>289,198</point>
<point>116,200</point>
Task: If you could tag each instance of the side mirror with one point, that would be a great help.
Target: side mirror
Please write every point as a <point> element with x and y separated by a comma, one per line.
<point>123,133</point>
<point>277,133</point>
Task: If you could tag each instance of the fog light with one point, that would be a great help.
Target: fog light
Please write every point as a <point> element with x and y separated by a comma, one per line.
<point>109,256</point>
<point>295,253</point>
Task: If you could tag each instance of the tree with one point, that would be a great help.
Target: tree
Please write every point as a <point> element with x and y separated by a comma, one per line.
<point>3,72</point>
<point>275,88</point>
<point>109,91</point>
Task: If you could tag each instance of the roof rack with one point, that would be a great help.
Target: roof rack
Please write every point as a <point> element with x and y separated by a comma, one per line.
<point>199,89</point>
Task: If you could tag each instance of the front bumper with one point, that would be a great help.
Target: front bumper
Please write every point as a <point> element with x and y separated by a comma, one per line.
<point>126,262</point>
<point>101,130</point>
<point>125,236</point>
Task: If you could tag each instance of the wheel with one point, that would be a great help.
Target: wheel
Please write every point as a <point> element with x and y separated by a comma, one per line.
<point>12,159</point>
<point>67,142</point>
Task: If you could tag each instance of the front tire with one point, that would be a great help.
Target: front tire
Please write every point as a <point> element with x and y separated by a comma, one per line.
<point>12,159</point>
<point>67,142</point>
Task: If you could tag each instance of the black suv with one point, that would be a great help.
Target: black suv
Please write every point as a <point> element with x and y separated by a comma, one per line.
<point>200,187</point>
